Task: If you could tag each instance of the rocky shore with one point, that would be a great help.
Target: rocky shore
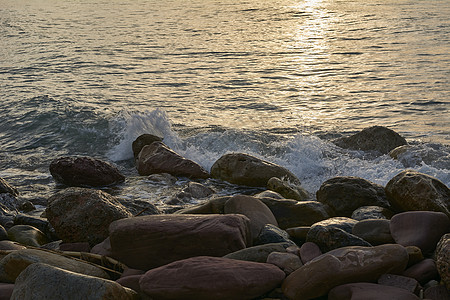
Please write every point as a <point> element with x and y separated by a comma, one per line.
<point>352,239</point>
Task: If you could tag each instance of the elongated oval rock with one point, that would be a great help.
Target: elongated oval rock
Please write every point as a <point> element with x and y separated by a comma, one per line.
<point>158,158</point>
<point>14,263</point>
<point>344,265</point>
<point>84,171</point>
<point>206,278</point>
<point>244,169</point>
<point>42,281</point>
<point>151,241</point>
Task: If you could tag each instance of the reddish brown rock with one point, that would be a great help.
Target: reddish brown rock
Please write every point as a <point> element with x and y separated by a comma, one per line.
<point>344,265</point>
<point>443,259</point>
<point>152,241</point>
<point>437,292</point>
<point>411,190</point>
<point>419,228</point>
<point>345,194</point>
<point>288,262</point>
<point>83,215</point>
<point>131,282</point>
<point>206,278</point>
<point>257,212</point>
<point>143,140</point>
<point>244,169</point>
<point>423,271</point>
<point>309,251</point>
<point>6,290</point>
<point>84,171</point>
<point>362,290</point>
<point>158,158</point>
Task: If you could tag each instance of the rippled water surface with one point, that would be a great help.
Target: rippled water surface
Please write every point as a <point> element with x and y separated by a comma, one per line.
<point>87,77</point>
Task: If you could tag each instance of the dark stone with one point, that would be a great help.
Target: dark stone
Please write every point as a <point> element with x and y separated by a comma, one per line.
<point>287,189</point>
<point>5,187</point>
<point>346,194</point>
<point>84,171</point>
<point>258,253</point>
<point>443,259</point>
<point>83,215</point>
<point>372,212</point>
<point>244,169</point>
<point>272,234</point>
<point>40,223</point>
<point>374,231</point>
<point>309,251</point>
<point>437,292</point>
<point>143,140</point>
<point>423,271</point>
<point>406,283</point>
<point>372,291</point>
<point>292,213</point>
<point>376,138</point>
<point>411,190</point>
<point>158,158</point>
<point>329,238</point>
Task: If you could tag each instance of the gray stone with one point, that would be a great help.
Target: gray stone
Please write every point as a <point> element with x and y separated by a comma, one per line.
<point>374,231</point>
<point>258,253</point>
<point>244,169</point>
<point>143,140</point>
<point>287,262</point>
<point>371,212</point>
<point>27,235</point>
<point>346,194</point>
<point>287,189</point>
<point>272,234</point>
<point>443,259</point>
<point>41,281</point>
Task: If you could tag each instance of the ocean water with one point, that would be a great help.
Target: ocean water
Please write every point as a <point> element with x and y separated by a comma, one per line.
<point>275,79</point>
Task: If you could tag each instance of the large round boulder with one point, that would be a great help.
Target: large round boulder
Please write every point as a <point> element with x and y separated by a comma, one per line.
<point>345,194</point>
<point>376,138</point>
<point>84,171</point>
<point>83,215</point>
<point>158,158</point>
<point>411,190</point>
<point>244,169</point>
<point>205,278</point>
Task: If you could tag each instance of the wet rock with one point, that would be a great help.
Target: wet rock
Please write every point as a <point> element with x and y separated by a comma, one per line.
<point>419,228</point>
<point>411,190</point>
<point>443,259</point>
<point>435,155</point>
<point>83,215</point>
<point>292,213</point>
<point>163,178</point>
<point>269,194</point>
<point>346,194</point>
<point>376,138</point>
<point>5,187</point>
<point>258,253</point>
<point>423,271</point>
<point>309,251</point>
<point>42,281</point>
<point>363,290</point>
<point>257,212</point>
<point>9,204</point>
<point>84,171</point>
<point>287,189</point>
<point>205,278</point>
<point>143,140</point>
<point>287,262</point>
<point>37,222</point>
<point>15,262</point>
<point>344,265</point>
<point>151,241</point>
<point>158,158</point>
<point>27,235</point>
<point>371,212</point>
<point>139,207</point>
<point>374,231</point>
<point>244,169</point>
<point>193,190</point>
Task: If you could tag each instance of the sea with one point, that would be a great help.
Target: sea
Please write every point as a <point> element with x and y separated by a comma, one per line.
<point>278,79</point>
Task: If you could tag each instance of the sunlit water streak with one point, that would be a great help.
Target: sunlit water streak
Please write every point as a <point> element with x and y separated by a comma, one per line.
<point>277,79</point>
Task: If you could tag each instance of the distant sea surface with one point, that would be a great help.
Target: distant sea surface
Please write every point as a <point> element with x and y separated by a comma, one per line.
<point>275,79</point>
